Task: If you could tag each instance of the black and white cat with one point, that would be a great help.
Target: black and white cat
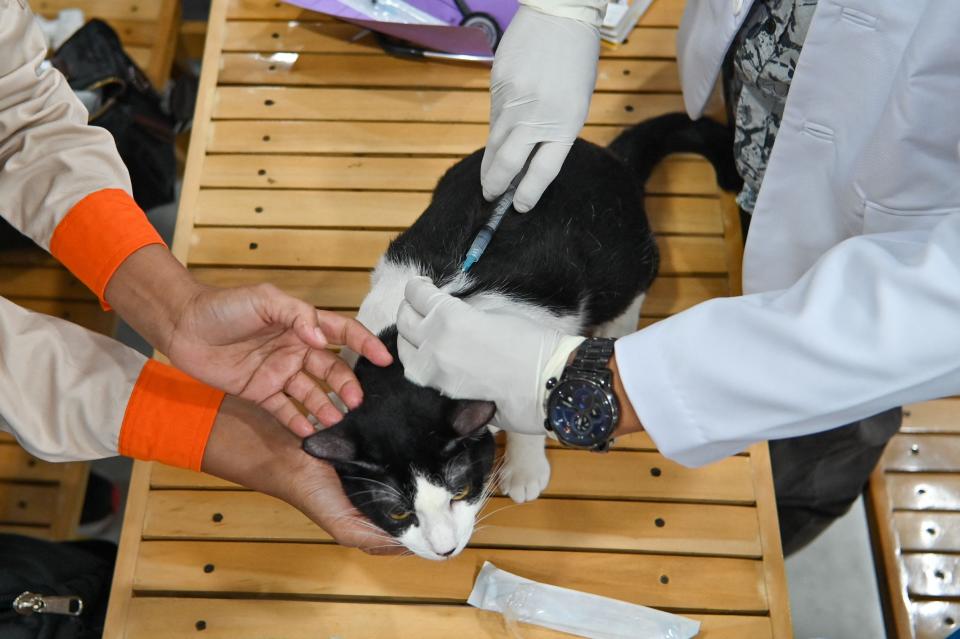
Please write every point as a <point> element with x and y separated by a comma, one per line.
<point>419,464</point>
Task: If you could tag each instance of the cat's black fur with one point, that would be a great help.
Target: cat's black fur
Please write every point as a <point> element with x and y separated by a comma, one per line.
<point>587,242</point>
<point>401,427</point>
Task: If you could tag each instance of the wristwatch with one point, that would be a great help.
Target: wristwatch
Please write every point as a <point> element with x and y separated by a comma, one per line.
<point>582,409</point>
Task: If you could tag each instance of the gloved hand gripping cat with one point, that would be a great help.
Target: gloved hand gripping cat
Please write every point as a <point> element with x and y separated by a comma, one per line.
<point>447,344</point>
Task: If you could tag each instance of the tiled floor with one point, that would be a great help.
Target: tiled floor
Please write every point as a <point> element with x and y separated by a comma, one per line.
<point>833,588</point>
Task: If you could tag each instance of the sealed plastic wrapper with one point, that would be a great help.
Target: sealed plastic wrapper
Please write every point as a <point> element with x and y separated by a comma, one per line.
<point>577,613</point>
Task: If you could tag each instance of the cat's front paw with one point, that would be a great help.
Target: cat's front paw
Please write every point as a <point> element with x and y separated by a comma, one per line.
<point>526,471</point>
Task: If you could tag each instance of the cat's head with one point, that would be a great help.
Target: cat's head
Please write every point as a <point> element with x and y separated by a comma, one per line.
<point>414,462</point>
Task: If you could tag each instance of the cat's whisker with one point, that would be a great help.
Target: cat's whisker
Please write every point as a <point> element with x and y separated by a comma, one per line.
<point>490,514</point>
<point>374,481</point>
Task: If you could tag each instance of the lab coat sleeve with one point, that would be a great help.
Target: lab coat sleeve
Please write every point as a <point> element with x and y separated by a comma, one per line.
<point>67,393</point>
<point>589,11</point>
<point>872,325</point>
<point>62,182</point>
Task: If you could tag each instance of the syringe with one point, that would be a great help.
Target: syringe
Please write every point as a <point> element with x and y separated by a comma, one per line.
<point>500,208</point>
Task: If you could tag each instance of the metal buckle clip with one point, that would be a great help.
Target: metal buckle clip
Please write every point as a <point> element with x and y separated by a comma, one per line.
<point>29,603</point>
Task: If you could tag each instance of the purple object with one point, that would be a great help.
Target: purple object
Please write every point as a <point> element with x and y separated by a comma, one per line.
<point>470,27</point>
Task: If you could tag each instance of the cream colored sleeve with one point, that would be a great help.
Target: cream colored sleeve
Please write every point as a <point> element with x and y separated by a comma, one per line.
<point>63,389</point>
<point>589,11</point>
<point>51,159</point>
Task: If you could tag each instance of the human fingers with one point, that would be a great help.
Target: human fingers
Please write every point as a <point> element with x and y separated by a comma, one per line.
<point>507,163</point>
<point>410,324</point>
<point>278,307</point>
<point>334,371</point>
<point>345,331</point>
<point>284,410</point>
<point>423,296</point>
<point>544,166</point>
<point>305,390</point>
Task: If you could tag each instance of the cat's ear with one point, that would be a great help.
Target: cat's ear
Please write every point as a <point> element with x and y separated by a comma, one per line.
<point>469,416</point>
<point>332,445</point>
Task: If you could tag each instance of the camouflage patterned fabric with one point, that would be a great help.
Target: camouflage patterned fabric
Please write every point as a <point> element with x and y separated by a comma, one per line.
<point>765,55</point>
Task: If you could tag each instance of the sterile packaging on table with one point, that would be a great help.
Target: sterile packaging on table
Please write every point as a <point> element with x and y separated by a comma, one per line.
<point>577,613</point>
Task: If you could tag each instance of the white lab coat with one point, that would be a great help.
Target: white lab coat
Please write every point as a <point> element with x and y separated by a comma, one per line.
<point>852,268</point>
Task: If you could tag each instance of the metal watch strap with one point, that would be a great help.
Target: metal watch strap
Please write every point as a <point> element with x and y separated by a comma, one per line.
<point>593,355</point>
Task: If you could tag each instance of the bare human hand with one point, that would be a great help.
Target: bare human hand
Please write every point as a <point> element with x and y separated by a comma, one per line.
<point>255,342</point>
<point>248,447</point>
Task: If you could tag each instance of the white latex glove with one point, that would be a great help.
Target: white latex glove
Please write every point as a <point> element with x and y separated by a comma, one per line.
<point>466,353</point>
<point>540,88</point>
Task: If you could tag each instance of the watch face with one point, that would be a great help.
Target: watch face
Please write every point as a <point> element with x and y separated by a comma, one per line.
<point>581,412</point>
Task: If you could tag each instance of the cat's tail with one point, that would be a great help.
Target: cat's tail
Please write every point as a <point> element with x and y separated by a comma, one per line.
<point>643,146</point>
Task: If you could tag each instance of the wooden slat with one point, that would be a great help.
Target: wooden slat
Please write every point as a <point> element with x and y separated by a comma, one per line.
<point>623,475</point>
<point>405,105</point>
<point>308,69</point>
<point>662,13</point>
<point>774,572</point>
<point>935,619</point>
<point>922,491</point>
<point>928,531</point>
<point>697,583</point>
<point>141,56</point>
<point>191,39</point>
<point>890,577</point>
<point>346,289</point>
<point>175,618</point>
<point>394,210</point>
<point>112,9</point>
<point>678,214</point>
<point>932,575</point>
<point>352,249</point>
<point>324,36</point>
<point>546,523</point>
<point>309,209</point>
<point>41,282</point>
<point>418,138</point>
<point>70,497</point>
<point>645,42</point>
<point>19,465</point>
<point>923,452</point>
<point>27,503</point>
<point>41,531</point>
<point>133,32</point>
<point>939,416</point>
<point>680,175</point>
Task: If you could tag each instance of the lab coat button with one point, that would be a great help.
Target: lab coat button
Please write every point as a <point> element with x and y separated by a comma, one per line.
<point>737,7</point>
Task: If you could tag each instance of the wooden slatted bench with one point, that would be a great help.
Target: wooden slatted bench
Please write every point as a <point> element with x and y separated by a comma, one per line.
<point>309,153</point>
<point>148,29</point>
<point>38,498</point>
<point>914,510</point>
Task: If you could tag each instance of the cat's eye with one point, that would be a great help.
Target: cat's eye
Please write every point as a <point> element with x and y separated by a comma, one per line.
<point>400,515</point>
<point>463,492</point>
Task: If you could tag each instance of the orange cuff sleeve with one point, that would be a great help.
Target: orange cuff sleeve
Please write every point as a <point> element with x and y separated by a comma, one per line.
<point>169,417</point>
<point>98,234</point>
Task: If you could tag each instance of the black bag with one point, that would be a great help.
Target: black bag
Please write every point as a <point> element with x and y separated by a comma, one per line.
<point>55,576</point>
<point>94,60</point>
